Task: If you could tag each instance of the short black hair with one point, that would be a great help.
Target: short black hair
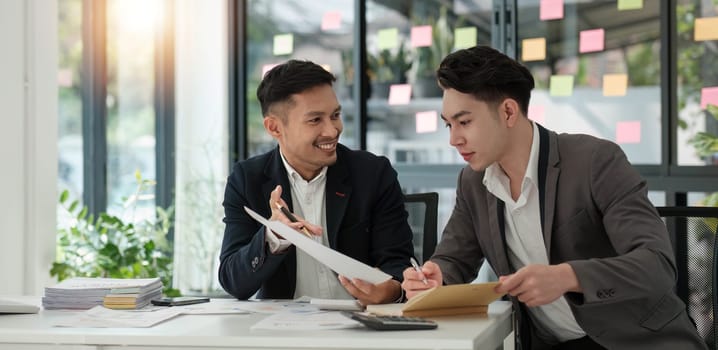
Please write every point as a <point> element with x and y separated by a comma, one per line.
<point>488,75</point>
<point>289,78</point>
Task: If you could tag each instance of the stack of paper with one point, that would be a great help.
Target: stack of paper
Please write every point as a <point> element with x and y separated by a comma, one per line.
<point>85,293</point>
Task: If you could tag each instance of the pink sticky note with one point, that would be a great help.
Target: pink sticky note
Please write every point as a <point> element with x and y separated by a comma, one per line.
<point>427,121</point>
<point>64,77</point>
<point>551,9</point>
<point>331,20</point>
<point>709,96</point>
<point>537,113</point>
<point>399,94</point>
<point>628,132</point>
<point>421,36</point>
<point>267,67</point>
<point>591,40</point>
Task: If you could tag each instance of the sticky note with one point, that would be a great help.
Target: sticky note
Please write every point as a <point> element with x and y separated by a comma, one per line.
<point>591,40</point>
<point>615,84</point>
<point>533,49</point>
<point>427,121</point>
<point>561,85</point>
<point>421,36</point>
<point>709,96</point>
<point>388,38</point>
<point>399,94</point>
<point>537,113</point>
<point>551,9</point>
<point>267,67</point>
<point>331,20</point>
<point>283,44</point>
<point>630,5</point>
<point>628,132</point>
<point>706,29</point>
<point>64,77</point>
<point>464,37</point>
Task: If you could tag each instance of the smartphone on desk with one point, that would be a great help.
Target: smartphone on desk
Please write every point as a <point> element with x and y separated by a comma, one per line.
<point>178,301</point>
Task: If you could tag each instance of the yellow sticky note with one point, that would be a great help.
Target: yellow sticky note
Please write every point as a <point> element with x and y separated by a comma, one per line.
<point>465,37</point>
<point>561,85</point>
<point>615,84</point>
<point>706,29</point>
<point>533,49</point>
<point>630,5</point>
<point>283,44</point>
<point>388,38</point>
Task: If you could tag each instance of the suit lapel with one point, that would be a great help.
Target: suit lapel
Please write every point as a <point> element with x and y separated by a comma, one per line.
<point>497,224</point>
<point>338,193</point>
<point>548,173</point>
<point>276,174</point>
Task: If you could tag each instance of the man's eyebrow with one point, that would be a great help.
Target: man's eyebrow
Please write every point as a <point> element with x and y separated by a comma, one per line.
<point>456,115</point>
<point>321,113</point>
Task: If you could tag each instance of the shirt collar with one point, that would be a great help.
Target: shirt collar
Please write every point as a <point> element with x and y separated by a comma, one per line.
<point>294,175</point>
<point>495,178</point>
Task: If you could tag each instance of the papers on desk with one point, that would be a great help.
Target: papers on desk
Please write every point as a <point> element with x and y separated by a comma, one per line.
<point>87,292</point>
<point>337,304</point>
<point>306,320</point>
<point>101,317</point>
<point>338,262</point>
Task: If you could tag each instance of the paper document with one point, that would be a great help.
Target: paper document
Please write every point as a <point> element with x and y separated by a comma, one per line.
<point>337,304</point>
<point>305,321</point>
<point>338,262</point>
<point>101,317</point>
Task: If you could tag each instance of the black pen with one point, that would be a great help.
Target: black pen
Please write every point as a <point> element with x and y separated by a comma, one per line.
<point>293,218</point>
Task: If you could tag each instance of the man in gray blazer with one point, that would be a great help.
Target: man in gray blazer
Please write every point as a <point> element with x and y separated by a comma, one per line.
<point>563,219</point>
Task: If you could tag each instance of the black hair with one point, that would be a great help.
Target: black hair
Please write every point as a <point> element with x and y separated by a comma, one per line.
<point>488,75</point>
<point>289,78</point>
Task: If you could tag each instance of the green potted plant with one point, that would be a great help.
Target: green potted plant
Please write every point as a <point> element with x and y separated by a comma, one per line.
<point>110,246</point>
<point>387,68</point>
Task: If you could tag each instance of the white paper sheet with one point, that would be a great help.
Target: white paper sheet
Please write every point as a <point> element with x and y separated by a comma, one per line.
<point>305,321</point>
<point>101,317</point>
<point>338,262</point>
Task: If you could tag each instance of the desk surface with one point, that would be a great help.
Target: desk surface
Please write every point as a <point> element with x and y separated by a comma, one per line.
<point>35,331</point>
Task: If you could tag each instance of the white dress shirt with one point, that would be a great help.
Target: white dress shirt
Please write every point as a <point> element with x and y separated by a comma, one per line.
<point>525,242</point>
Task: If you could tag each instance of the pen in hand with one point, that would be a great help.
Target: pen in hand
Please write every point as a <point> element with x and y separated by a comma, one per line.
<point>292,218</point>
<point>418,269</point>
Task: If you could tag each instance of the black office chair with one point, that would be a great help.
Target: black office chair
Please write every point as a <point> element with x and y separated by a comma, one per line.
<point>693,233</point>
<point>423,209</point>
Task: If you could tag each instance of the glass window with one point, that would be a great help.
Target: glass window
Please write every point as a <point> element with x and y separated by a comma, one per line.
<point>131,26</point>
<point>406,41</point>
<point>593,61</point>
<point>70,159</point>
<point>697,78</point>
<point>319,32</point>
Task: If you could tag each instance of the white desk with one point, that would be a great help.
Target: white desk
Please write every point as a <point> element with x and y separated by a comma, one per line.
<point>34,331</point>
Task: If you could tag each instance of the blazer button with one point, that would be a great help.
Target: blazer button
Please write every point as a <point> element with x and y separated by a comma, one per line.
<point>600,294</point>
<point>255,261</point>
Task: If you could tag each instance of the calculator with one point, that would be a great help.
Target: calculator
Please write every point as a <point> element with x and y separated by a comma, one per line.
<point>391,323</point>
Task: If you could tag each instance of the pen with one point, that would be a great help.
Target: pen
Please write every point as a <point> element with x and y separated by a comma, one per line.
<point>293,218</point>
<point>418,269</point>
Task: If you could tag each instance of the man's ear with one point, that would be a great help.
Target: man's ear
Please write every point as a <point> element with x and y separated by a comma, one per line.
<point>272,125</point>
<point>509,110</point>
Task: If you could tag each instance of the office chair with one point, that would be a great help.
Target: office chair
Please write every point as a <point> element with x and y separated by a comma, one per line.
<point>423,209</point>
<point>693,233</point>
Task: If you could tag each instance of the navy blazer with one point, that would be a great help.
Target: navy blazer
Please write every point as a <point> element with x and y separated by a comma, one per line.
<point>366,220</point>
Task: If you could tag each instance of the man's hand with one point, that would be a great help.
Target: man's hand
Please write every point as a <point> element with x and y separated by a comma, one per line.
<point>368,293</point>
<point>276,197</point>
<point>414,281</point>
<point>536,285</point>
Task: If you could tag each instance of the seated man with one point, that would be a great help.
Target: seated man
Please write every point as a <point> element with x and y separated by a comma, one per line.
<point>348,200</point>
<point>563,219</point>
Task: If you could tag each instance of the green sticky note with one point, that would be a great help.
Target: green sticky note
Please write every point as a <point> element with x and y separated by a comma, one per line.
<point>283,44</point>
<point>465,37</point>
<point>388,38</point>
<point>561,85</point>
<point>630,5</point>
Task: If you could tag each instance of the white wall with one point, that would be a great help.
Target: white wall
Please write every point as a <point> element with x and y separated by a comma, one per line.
<point>28,143</point>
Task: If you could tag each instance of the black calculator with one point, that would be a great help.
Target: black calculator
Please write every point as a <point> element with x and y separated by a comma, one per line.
<point>391,323</point>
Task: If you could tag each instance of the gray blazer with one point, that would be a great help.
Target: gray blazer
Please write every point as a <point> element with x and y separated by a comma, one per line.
<point>595,216</point>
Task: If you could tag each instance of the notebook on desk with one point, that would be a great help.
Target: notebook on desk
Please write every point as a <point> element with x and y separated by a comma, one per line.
<point>8,306</point>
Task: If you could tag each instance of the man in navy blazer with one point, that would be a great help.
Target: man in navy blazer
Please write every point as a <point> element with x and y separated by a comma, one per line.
<point>348,200</point>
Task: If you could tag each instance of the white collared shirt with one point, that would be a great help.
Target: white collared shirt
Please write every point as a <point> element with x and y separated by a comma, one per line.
<point>525,240</point>
<point>314,279</point>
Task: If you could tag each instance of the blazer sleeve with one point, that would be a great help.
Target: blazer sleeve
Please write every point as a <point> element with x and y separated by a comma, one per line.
<point>644,266</point>
<point>245,261</point>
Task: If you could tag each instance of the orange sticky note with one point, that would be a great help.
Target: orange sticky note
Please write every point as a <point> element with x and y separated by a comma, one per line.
<point>551,9</point>
<point>399,94</point>
<point>267,67</point>
<point>421,36</point>
<point>709,96</point>
<point>283,44</point>
<point>537,113</point>
<point>388,38</point>
<point>533,49</point>
<point>591,40</point>
<point>615,84</point>
<point>331,20</point>
<point>427,121</point>
<point>706,29</point>
<point>628,132</point>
